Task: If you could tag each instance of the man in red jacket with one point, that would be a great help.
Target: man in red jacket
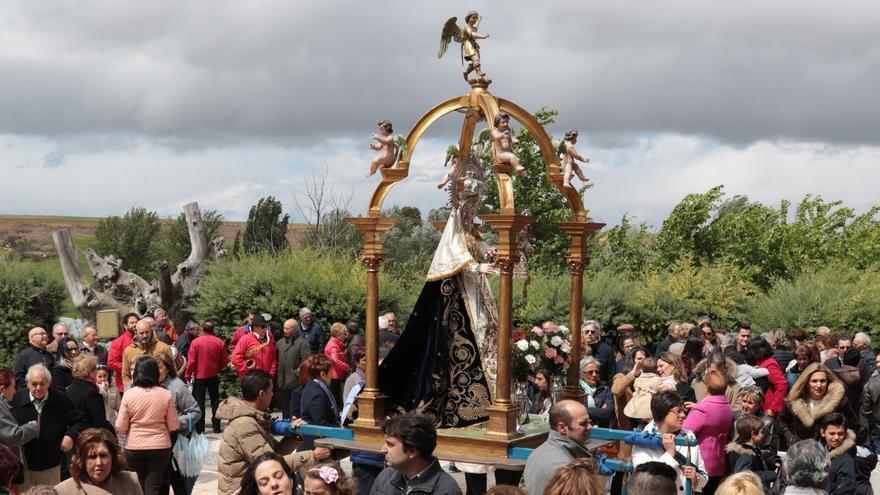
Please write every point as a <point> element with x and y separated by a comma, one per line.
<point>207,358</point>
<point>118,346</point>
<point>255,350</point>
<point>242,330</point>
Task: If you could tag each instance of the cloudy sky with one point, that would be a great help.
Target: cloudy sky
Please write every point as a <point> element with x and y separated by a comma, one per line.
<point>105,105</point>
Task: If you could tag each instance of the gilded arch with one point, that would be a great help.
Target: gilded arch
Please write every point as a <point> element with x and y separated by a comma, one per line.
<point>491,106</point>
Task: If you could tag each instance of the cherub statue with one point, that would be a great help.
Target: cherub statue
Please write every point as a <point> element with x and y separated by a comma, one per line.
<point>451,157</point>
<point>391,147</point>
<point>467,36</point>
<point>569,155</point>
<point>478,150</point>
<point>502,144</point>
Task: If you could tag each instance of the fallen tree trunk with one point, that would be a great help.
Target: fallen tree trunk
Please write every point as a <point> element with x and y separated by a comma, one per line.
<point>127,292</point>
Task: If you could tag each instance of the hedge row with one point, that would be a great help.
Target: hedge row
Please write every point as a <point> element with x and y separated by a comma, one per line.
<point>31,294</point>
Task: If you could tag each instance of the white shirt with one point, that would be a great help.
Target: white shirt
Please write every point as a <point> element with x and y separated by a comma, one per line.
<point>641,455</point>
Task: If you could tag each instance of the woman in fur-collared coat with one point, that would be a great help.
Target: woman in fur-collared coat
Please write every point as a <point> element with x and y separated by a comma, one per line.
<point>816,393</point>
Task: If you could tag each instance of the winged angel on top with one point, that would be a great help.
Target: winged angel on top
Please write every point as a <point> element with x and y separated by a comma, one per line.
<point>467,36</point>
<point>391,147</point>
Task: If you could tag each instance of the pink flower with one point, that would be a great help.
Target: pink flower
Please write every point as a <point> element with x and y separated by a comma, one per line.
<point>550,353</point>
<point>538,331</point>
<point>558,359</point>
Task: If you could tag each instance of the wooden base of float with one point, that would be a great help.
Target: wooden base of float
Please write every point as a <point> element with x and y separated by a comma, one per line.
<point>471,444</point>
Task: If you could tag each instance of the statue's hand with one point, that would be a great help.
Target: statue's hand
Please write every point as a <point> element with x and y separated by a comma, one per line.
<point>488,268</point>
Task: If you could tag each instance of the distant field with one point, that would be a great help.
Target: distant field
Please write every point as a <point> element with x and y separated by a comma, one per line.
<point>38,230</point>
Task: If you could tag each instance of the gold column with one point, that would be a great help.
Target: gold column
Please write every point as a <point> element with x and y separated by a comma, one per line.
<point>502,412</point>
<point>371,402</point>
<point>579,232</point>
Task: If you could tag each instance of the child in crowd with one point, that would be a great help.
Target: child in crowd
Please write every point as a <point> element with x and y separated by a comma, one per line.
<point>841,445</point>
<point>746,373</point>
<point>328,479</point>
<point>744,454</point>
<point>645,386</point>
<point>104,380</point>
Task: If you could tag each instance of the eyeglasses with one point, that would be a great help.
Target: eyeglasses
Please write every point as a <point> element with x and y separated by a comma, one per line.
<point>679,411</point>
<point>591,372</point>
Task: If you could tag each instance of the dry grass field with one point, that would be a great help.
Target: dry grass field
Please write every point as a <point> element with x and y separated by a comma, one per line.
<point>36,231</point>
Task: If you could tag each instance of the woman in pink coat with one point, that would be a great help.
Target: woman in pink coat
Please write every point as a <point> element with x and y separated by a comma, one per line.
<point>710,421</point>
<point>335,349</point>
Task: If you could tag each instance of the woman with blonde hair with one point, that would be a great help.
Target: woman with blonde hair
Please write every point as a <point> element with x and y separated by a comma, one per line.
<point>85,395</point>
<point>744,483</point>
<point>335,349</point>
<point>579,477</point>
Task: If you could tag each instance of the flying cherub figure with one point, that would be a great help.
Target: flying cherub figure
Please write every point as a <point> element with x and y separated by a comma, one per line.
<point>478,150</point>
<point>451,157</point>
<point>502,144</point>
<point>467,36</point>
<point>391,147</point>
<point>569,155</point>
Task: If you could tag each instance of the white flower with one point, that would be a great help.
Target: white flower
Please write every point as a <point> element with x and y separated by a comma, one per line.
<point>564,330</point>
<point>535,345</point>
<point>522,345</point>
<point>565,348</point>
<point>556,341</point>
<point>530,359</point>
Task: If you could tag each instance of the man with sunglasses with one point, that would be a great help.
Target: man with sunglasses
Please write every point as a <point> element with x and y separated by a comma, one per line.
<point>570,427</point>
<point>591,335</point>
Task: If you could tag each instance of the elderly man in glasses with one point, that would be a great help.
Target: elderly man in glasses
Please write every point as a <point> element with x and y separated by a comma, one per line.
<point>591,334</point>
<point>34,353</point>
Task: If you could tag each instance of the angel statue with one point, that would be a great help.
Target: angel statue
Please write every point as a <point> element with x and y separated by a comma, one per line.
<point>445,363</point>
<point>502,144</point>
<point>467,36</point>
<point>391,147</point>
<point>478,150</point>
<point>569,155</point>
<point>451,157</point>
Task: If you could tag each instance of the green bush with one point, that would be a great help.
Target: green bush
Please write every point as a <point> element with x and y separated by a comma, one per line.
<point>333,287</point>
<point>841,297</point>
<point>31,295</point>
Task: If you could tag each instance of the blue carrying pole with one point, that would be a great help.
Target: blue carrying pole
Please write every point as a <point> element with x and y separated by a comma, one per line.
<point>283,428</point>
<point>635,437</point>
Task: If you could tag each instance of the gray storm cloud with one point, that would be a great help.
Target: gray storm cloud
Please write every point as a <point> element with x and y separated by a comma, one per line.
<point>205,74</point>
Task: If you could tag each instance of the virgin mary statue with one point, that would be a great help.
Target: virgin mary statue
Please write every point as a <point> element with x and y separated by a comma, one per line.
<point>443,366</point>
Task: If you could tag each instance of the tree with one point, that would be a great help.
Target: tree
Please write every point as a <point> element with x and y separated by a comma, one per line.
<point>538,197</point>
<point>410,243</point>
<point>324,209</point>
<point>125,291</point>
<point>130,239</point>
<point>175,243</point>
<point>266,229</point>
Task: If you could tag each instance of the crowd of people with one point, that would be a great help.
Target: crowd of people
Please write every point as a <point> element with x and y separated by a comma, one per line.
<point>743,398</point>
<point>82,418</point>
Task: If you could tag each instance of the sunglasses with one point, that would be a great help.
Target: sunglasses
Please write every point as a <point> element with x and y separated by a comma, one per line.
<point>591,372</point>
